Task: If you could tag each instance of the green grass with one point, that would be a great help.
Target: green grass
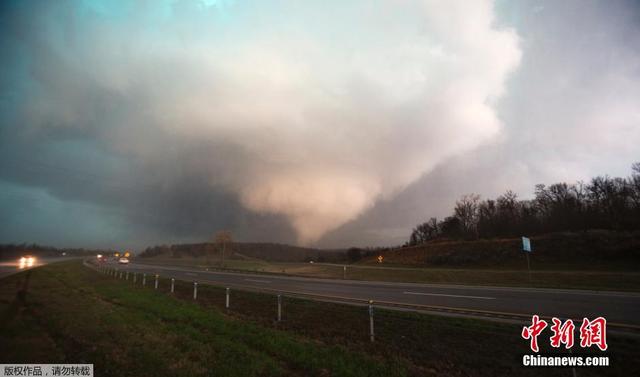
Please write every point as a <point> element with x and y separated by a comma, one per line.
<point>567,279</point>
<point>71,313</point>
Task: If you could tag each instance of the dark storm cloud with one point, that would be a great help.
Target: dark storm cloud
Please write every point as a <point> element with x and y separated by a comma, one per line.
<point>174,119</point>
<point>126,124</point>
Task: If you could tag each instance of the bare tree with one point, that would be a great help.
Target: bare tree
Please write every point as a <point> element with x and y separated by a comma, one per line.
<point>222,238</point>
<point>466,210</point>
<point>424,232</point>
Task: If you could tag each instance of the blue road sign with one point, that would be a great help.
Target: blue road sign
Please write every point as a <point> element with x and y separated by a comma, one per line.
<point>526,244</point>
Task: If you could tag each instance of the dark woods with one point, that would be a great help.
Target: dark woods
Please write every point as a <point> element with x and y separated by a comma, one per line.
<point>603,203</point>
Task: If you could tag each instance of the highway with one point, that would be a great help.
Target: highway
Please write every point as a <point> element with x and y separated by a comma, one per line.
<point>621,309</point>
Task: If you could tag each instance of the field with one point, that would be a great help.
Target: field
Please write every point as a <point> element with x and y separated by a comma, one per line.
<point>67,312</point>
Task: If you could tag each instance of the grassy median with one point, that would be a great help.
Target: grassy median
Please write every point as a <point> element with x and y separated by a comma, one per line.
<point>70,313</point>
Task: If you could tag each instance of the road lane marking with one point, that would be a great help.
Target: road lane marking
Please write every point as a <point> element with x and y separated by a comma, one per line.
<point>258,281</point>
<point>192,273</point>
<point>443,295</point>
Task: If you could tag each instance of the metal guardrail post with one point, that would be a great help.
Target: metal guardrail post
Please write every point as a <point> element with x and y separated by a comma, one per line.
<point>371,332</point>
<point>195,290</point>
<point>226,303</point>
<point>279,308</point>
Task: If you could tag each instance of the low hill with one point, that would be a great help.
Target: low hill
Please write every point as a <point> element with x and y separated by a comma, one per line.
<point>582,250</point>
<point>271,252</point>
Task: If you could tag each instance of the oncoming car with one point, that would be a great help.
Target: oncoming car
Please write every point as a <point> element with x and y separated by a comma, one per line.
<point>27,261</point>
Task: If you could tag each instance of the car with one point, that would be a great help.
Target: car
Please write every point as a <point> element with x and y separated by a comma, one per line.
<point>123,260</point>
<point>27,261</point>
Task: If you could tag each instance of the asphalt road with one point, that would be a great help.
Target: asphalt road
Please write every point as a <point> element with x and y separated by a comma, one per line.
<point>621,309</point>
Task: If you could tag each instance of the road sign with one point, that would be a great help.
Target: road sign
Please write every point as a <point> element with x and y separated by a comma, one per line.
<point>380,258</point>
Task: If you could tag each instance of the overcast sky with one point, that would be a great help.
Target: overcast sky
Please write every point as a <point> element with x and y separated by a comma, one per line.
<point>322,123</point>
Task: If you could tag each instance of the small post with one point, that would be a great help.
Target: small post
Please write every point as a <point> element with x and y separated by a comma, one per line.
<point>135,277</point>
<point>371,333</point>
<point>121,275</point>
<point>526,247</point>
<point>144,279</point>
<point>279,308</point>
<point>173,283</point>
<point>156,286</point>
<point>344,272</point>
<point>226,303</point>
<point>195,290</point>
<point>126,276</point>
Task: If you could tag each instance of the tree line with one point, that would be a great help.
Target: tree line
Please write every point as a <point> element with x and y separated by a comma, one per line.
<point>602,203</point>
<point>13,250</point>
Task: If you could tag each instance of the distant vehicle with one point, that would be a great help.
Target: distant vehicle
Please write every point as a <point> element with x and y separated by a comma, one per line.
<point>123,260</point>
<point>27,261</point>
<point>311,261</point>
